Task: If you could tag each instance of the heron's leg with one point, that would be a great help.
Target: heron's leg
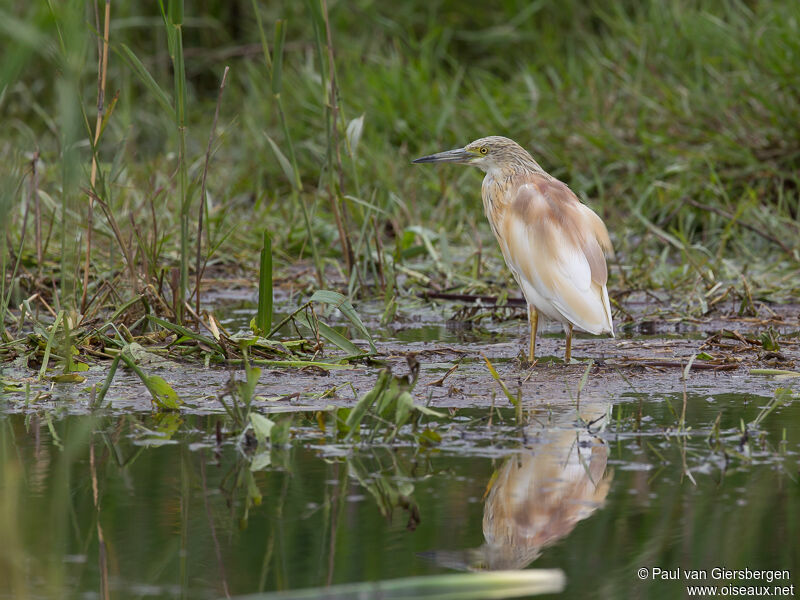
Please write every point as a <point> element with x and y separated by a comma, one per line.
<point>533,317</point>
<point>568,352</point>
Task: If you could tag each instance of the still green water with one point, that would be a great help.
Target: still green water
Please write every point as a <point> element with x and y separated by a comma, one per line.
<point>91,505</point>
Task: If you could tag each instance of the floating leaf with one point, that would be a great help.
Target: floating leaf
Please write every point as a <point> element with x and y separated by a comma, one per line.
<point>163,395</point>
<point>11,385</point>
<point>68,378</point>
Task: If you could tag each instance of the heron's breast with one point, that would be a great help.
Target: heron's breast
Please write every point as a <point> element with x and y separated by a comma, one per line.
<point>495,200</point>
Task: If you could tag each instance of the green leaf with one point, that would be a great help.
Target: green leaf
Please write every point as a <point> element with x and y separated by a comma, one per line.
<point>261,461</point>
<point>11,385</point>
<point>50,339</point>
<point>253,493</point>
<point>176,12</point>
<point>341,416</point>
<point>188,333</point>
<point>387,401</point>
<point>329,334</point>
<point>343,304</point>
<point>366,401</point>
<point>429,411</point>
<point>262,427</point>
<point>107,383</point>
<point>429,437</point>
<point>775,372</point>
<point>134,63</point>
<point>69,378</point>
<point>405,404</point>
<point>496,377</point>
<point>282,161</point>
<point>277,55</point>
<point>248,386</point>
<point>264,314</point>
<point>769,340</point>
<point>280,432</point>
<point>163,395</point>
<point>484,585</point>
<point>167,424</point>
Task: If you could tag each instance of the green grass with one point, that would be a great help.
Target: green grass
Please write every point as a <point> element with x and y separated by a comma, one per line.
<point>676,121</point>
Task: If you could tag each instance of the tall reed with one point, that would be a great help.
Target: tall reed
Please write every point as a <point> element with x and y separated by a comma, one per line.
<point>102,72</point>
<point>330,92</point>
<point>173,21</point>
<point>8,189</point>
<point>70,28</point>
<point>275,68</point>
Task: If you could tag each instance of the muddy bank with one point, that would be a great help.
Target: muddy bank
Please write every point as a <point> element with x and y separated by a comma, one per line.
<point>648,356</point>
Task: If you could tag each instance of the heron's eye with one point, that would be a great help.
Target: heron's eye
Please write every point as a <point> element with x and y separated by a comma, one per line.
<point>484,150</point>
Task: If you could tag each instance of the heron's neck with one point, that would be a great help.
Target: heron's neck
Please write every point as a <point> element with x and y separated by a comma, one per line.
<point>518,165</point>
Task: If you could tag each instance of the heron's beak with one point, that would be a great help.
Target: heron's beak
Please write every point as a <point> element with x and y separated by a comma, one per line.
<point>459,155</point>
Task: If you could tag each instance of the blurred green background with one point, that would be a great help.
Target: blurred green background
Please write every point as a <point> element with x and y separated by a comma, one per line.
<point>676,121</point>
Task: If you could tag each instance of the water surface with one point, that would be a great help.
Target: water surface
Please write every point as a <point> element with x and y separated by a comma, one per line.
<point>598,492</point>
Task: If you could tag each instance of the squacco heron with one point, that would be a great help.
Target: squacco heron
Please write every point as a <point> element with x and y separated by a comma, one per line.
<point>555,246</point>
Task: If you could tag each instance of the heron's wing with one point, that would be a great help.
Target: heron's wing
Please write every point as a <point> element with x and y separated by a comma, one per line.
<point>598,230</point>
<point>555,244</point>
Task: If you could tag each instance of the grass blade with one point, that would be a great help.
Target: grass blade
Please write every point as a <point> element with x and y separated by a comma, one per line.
<point>343,304</point>
<point>183,331</point>
<point>49,346</point>
<point>288,170</point>
<point>496,377</point>
<point>277,52</point>
<point>329,334</point>
<point>264,314</point>
<point>488,585</point>
<point>144,76</point>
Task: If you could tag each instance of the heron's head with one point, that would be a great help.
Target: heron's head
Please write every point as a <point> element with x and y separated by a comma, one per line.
<point>488,153</point>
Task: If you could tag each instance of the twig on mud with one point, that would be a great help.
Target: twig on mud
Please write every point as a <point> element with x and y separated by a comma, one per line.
<point>439,382</point>
<point>486,300</point>
<point>699,366</point>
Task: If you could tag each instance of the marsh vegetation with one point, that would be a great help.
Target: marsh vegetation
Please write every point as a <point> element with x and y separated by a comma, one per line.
<point>237,323</point>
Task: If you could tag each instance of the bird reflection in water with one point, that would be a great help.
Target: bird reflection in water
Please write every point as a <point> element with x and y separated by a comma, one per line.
<point>537,497</point>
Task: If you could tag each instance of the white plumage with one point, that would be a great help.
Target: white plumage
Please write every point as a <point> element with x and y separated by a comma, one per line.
<point>555,246</point>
